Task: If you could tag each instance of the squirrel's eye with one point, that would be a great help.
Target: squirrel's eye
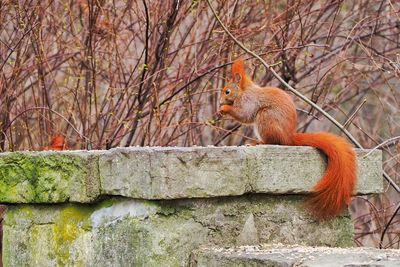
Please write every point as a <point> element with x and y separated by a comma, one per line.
<point>227,91</point>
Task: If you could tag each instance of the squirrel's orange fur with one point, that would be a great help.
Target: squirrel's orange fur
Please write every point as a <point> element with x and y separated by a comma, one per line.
<point>273,114</point>
<point>57,143</point>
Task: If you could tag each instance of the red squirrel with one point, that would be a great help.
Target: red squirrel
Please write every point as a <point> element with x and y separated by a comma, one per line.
<point>57,143</point>
<point>273,114</point>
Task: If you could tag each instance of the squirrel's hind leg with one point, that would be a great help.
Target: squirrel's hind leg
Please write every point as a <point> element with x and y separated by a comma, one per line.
<point>255,143</point>
<point>272,129</point>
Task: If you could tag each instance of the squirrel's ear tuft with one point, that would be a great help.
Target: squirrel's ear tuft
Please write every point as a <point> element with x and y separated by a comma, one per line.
<point>238,68</point>
<point>237,78</point>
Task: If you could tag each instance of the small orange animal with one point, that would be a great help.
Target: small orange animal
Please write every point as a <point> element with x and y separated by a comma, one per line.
<point>57,143</point>
<point>273,114</point>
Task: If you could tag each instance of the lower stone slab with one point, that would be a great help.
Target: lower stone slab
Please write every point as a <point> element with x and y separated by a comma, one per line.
<point>127,232</point>
<point>284,255</point>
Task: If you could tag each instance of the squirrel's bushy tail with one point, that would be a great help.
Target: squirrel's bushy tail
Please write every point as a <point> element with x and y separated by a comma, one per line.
<point>333,192</point>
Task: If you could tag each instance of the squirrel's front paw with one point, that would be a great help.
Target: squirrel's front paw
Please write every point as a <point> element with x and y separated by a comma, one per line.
<point>225,109</point>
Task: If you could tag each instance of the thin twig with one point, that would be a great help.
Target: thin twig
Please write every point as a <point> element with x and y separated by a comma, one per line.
<point>350,119</point>
<point>49,109</point>
<point>390,140</point>
<point>387,225</point>
<point>228,133</point>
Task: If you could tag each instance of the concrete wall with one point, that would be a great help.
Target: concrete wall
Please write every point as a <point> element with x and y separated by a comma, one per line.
<point>154,206</point>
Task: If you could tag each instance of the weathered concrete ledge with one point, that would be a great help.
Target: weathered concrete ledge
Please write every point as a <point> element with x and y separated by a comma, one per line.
<point>127,232</point>
<point>169,173</point>
<point>279,255</point>
<point>170,202</point>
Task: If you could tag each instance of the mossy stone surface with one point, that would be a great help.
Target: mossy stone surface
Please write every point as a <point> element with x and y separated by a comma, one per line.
<point>170,173</point>
<point>48,177</point>
<point>127,232</point>
<point>174,200</point>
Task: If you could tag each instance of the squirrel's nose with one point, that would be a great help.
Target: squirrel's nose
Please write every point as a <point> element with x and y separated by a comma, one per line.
<point>225,102</point>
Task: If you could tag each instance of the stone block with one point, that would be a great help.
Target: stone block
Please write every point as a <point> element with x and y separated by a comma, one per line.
<point>294,255</point>
<point>127,232</point>
<point>169,173</point>
<point>196,172</point>
<point>48,177</point>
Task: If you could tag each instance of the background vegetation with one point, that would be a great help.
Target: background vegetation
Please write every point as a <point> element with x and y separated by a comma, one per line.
<point>122,73</point>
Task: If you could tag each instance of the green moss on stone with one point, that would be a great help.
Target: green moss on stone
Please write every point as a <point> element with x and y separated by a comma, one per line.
<point>107,203</point>
<point>38,177</point>
<point>18,214</point>
<point>347,230</point>
<point>159,233</point>
<point>71,223</point>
